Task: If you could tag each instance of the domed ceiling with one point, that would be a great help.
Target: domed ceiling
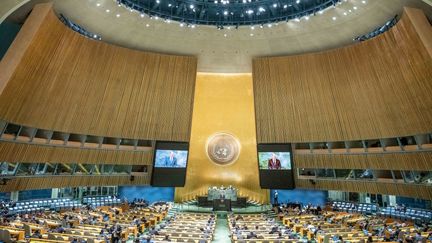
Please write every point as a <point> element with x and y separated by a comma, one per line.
<point>227,43</point>
<point>222,13</point>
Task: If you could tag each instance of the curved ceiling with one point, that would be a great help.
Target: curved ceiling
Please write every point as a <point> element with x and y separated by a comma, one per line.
<point>222,13</point>
<point>231,50</point>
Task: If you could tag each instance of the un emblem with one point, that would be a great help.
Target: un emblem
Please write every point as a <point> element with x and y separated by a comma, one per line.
<point>223,148</point>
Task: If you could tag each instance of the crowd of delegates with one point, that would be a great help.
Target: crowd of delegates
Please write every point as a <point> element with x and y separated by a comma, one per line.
<point>111,224</point>
<point>368,228</point>
<point>296,208</point>
<point>258,226</point>
<point>107,221</point>
<point>139,202</point>
<point>199,227</point>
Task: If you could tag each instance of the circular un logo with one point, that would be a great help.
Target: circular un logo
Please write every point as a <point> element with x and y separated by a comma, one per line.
<point>223,148</point>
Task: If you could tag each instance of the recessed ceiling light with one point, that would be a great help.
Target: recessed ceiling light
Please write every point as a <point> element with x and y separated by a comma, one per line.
<point>118,15</point>
<point>334,18</point>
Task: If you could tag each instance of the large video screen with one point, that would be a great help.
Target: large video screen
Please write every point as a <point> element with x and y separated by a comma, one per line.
<point>274,160</point>
<point>169,164</point>
<point>275,166</point>
<point>170,158</point>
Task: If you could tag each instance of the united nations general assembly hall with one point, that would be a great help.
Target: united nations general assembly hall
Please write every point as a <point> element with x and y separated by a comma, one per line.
<point>215,121</point>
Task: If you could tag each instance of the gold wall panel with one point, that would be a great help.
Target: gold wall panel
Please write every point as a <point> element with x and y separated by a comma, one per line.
<point>223,103</point>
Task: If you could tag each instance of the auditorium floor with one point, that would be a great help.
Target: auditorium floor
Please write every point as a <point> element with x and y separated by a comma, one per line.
<point>221,231</point>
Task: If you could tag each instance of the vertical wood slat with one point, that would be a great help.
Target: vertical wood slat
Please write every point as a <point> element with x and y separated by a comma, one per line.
<point>31,153</point>
<point>415,191</point>
<point>374,89</point>
<point>66,82</point>
<point>32,183</point>
<point>390,161</point>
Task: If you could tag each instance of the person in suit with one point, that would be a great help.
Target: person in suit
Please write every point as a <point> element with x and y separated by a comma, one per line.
<point>275,198</point>
<point>171,160</point>
<point>274,163</point>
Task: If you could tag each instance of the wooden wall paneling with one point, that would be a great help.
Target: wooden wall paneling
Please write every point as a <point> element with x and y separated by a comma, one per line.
<point>385,161</point>
<point>31,153</point>
<point>11,59</point>
<point>32,183</point>
<point>374,89</point>
<point>415,191</point>
<point>73,84</point>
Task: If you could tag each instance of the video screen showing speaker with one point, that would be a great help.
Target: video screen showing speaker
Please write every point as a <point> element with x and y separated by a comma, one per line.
<point>274,160</point>
<point>275,166</point>
<point>171,158</point>
<point>169,164</point>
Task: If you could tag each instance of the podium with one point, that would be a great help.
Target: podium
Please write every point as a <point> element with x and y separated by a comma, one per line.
<point>222,199</point>
<point>221,204</point>
<point>218,193</point>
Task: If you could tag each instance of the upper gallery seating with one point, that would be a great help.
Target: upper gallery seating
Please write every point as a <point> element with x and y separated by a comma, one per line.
<point>366,208</point>
<point>101,201</point>
<point>398,212</point>
<point>42,205</point>
<point>405,213</point>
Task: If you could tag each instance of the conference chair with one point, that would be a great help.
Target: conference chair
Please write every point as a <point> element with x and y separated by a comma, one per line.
<point>27,230</point>
<point>6,236</point>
